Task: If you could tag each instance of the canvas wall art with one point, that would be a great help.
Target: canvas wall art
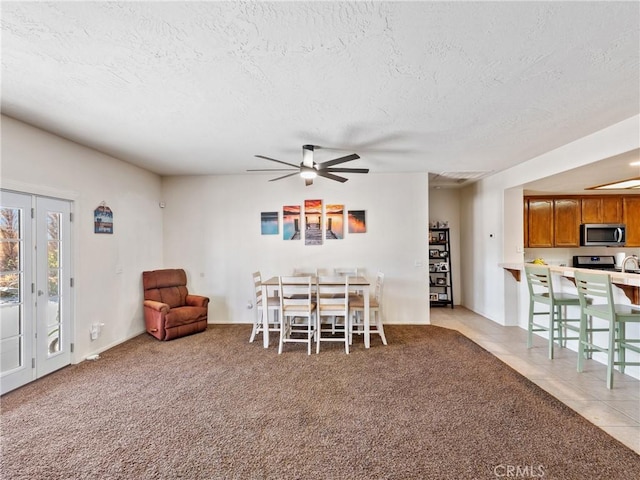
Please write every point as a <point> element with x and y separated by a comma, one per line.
<point>357,221</point>
<point>291,222</point>
<point>334,221</point>
<point>313,222</point>
<point>269,223</point>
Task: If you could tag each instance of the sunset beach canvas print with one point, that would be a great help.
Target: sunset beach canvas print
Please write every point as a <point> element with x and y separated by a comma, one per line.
<point>291,222</point>
<point>334,220</point>
<point>357,221</point>
<point>313,222</point>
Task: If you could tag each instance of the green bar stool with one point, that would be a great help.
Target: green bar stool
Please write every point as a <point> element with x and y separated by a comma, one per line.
<point>596,300</point>
<point>541,291</point>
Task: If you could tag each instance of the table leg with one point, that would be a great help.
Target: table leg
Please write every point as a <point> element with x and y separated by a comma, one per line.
<point>367,318</point>
<point>265,317</point>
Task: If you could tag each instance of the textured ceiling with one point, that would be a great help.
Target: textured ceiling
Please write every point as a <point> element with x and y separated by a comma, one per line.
<point>201,87</point>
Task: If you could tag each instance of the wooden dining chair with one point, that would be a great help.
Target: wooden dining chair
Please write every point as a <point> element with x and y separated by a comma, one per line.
<point>297,311</point>
<point>332,303</point>
<point>272,304</point>
<point>356,310</point>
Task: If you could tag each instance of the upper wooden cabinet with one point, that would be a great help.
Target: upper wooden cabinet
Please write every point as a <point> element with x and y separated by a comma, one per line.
<point>631,217</point>
<point>566,222</point>
<point>540,222</point>
<point>554,221</point>
<point>601,209</point>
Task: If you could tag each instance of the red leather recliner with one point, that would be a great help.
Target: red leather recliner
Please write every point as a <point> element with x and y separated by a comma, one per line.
<point>169,311</point>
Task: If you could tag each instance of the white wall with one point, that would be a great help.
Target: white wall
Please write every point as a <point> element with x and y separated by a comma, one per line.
<point>212,229</point>
<point>37,162</point>
<point>444,204</point>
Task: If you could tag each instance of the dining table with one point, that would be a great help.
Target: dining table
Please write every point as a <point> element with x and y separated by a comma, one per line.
<point>358,282</point>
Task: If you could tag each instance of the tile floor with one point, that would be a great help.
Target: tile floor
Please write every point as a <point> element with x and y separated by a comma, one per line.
<point>615,411</point>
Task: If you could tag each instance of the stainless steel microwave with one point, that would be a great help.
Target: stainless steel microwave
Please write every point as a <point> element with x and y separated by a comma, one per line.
<point>599,234</point>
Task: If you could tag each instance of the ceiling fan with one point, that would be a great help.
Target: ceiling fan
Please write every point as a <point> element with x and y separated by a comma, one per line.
<point>309,169</point>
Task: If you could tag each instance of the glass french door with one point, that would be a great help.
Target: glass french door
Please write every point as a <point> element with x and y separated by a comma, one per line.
<point>35,316</point>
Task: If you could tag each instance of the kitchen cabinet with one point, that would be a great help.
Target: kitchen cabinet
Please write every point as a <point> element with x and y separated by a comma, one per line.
<point>440,284</point>
<point>631,218</point>
<point>566,222</point>
<point>601,209</point>
<point>539,222</point>
<point>554,221</point>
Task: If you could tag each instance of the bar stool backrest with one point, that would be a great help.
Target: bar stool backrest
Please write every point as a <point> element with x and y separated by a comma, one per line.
<point>596,294</point>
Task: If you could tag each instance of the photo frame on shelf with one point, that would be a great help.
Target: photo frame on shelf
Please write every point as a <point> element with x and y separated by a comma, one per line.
<point>441,281</point>
<point>441,267</point>
<point>432,267</point>
<point>444,254</point>
<point>443,296</point>
<point>434,253</point>
<point>433,297</point>
<point>442,237</point>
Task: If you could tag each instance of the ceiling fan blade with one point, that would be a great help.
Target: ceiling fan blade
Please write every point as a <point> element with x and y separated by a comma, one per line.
<point>308,181</point>
<point>278,161</point>
<point>270,169</point>
<point>346,170</point>
<point>284,176</point>
<point>336,161</point>
<point>325,174</point>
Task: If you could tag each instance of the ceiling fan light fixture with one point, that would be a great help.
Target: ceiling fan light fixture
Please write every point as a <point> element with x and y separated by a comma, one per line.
<point>308,173</point>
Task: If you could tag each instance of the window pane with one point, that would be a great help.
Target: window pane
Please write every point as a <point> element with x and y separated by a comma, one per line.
<point>53,225</point>
<point>53,254</point>
<point>54,287</point>
<point>9,223</point>
<point>10,354</point>
<point>9,288</point>
<point>10,325</point>
<point>9,255</point>
<point>53,340</point>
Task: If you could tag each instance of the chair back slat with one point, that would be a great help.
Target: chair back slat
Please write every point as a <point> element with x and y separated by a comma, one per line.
<point>538,280</point>
<point>332,295</point>
<point>596,294</point>
<point>295,292</point>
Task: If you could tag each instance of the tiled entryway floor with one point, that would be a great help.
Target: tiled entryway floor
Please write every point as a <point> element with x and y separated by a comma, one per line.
<point>615,411</point>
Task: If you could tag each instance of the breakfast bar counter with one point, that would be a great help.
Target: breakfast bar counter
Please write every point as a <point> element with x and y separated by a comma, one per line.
<point>628,282</point>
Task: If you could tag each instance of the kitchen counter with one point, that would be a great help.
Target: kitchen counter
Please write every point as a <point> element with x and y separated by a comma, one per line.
<point>628,282</point>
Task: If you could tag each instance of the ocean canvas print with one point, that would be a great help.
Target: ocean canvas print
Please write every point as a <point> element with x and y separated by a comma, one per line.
<point>291,222</point>
<point>313,222</point>
<point>334,221</point>
<point>269,223</point>
<point>357,221</point>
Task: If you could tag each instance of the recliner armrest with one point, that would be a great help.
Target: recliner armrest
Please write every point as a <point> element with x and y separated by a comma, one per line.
<point>197,301</point>
<point>159,306</point>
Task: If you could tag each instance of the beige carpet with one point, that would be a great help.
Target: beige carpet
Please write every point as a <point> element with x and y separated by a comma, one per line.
<point>430,405</point>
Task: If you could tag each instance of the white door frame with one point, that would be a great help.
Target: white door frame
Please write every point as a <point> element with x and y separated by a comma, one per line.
<point>44,334</point>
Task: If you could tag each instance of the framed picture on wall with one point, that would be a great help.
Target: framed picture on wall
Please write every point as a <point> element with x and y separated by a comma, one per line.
<point>313,222</point>
<point>357,221</point>
<point>291,222</point>
<point>269,223</point>
<point>334,221</point>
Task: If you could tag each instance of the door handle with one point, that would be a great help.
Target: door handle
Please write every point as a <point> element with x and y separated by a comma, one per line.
<point>40,293</point>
